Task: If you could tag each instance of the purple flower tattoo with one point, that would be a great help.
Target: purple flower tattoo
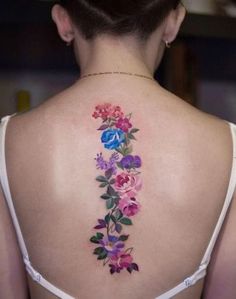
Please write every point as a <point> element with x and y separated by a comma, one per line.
<point>122,183</point>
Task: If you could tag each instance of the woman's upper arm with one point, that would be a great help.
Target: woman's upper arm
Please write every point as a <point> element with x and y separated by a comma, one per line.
<point>221,277</point>
<point>13,283</point>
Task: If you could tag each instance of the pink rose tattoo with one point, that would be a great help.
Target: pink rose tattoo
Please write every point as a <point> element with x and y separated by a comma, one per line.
<point>128,184</point>
<point>122,182</point>
<point>129,206</point>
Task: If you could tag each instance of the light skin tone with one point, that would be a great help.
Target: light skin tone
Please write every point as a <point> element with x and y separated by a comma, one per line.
<point>143,57</point>
<point>107,53</point>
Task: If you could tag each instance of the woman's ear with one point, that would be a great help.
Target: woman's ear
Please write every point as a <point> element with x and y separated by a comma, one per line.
<point>63,22</point>
<point>173,23</point>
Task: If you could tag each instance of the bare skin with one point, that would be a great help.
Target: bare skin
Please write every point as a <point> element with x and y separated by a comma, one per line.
<point>187,158</point>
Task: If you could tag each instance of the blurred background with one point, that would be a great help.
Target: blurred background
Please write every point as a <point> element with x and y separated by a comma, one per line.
<point>200,66</point>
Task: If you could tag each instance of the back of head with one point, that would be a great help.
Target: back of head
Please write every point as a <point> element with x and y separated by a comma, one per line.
<point>118,17</point>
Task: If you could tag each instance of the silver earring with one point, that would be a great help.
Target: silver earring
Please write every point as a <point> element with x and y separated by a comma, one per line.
<point>68,44</point>
<point>167,44</point>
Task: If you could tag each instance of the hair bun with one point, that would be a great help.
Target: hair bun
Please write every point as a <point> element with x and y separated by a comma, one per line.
<point>118,17</point>
<point>120,8</point>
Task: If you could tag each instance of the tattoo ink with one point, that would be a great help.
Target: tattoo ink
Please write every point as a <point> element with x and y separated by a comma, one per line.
<point>121,181</point>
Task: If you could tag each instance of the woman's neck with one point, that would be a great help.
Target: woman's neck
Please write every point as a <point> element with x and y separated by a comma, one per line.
<point>116,54</point>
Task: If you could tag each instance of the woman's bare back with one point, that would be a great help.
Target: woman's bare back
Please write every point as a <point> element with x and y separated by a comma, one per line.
<point>187,158</point>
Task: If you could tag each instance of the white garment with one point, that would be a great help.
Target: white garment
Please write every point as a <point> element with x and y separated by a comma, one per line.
<point>188,282</point>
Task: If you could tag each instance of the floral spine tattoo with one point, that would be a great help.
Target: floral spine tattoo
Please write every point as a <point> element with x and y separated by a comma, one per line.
<point>122,182</point>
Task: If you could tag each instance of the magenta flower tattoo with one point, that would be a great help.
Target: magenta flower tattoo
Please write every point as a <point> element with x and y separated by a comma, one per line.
<point>122,182</point>
<point>123,124</point>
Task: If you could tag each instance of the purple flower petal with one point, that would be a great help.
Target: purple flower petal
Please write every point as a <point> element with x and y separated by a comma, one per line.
<point>120,245</point>
<point>137,162</point>
<point>127,161</point>
<point>112,239</point>
<point>130,161</point>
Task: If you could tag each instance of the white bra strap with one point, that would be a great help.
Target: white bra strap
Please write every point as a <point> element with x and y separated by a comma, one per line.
<point>37,277</point>
<point>6,189</point>
<point>188,282</point>
<point>228,199</point>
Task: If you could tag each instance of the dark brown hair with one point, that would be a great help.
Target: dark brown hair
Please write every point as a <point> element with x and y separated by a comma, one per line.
<point>118,17</point>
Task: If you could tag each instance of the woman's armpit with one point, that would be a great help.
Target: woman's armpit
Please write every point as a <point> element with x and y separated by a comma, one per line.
<point>13,282</point>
